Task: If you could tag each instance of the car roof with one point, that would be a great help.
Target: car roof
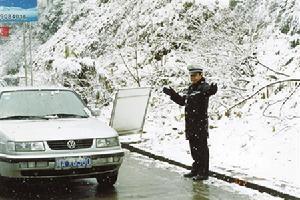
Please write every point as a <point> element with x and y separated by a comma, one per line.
<point>23,88</point>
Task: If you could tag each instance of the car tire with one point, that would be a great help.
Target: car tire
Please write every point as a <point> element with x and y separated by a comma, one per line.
<point>2,181</point>
<point>7,182</point>
<point>107,180</point>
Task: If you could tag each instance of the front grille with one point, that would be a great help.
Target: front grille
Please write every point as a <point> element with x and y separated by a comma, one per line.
<point>37,173</point>
<point>62,144</point>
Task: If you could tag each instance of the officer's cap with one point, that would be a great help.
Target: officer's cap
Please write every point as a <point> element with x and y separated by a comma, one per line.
<point>194,69</point>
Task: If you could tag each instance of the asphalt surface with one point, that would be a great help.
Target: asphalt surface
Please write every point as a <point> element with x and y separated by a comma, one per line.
<point>139,178</point>
<point>219,176</point>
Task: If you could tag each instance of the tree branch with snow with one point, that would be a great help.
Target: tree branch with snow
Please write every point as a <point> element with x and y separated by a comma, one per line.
<point>259,90</point>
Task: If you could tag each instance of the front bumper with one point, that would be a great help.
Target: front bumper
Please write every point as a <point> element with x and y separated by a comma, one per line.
<point>44,166</point>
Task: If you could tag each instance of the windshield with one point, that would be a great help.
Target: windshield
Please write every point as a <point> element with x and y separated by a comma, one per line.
<point>41,103</point>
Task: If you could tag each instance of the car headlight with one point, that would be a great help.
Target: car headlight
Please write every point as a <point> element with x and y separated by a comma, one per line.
<point>107,142</point>
<point>25,146</point>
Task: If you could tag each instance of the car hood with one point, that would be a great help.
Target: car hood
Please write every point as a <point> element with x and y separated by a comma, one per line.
<point>54,129</point>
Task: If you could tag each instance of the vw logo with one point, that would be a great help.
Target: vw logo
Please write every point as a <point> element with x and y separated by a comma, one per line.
<point>71,144</point>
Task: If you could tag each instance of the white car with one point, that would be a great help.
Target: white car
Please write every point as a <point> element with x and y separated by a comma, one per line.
<point>50,133</point>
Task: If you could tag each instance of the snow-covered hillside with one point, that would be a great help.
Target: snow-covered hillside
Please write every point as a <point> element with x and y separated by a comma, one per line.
<point>243,46</point>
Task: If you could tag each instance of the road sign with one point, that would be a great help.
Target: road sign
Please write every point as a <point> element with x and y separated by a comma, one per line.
<point>4,31</point>
<point>129,111</point>
<point>12,11</point>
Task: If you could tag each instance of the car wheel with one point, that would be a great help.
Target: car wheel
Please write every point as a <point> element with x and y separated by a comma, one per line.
<point>108,180</point>
<point>2,181</point>
<point>7,182</point>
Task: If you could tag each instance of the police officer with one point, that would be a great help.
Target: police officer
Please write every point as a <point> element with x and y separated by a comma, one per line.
<point>196,119</point>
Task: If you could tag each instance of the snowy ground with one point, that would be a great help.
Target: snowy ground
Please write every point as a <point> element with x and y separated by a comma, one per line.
<point>253,148</point>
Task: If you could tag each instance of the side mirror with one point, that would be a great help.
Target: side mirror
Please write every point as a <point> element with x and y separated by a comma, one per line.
<point>96,112</point>
<point>85,101</point>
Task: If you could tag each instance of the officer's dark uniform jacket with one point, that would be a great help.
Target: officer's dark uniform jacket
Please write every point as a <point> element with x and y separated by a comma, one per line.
<point>196,104</point>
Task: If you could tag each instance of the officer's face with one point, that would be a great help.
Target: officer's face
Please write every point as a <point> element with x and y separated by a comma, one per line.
<point>195,77</point>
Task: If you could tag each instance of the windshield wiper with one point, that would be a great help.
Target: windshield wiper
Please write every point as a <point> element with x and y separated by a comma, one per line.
<point>16,117</point>
<point>46,117</point>
<point>64,115</point>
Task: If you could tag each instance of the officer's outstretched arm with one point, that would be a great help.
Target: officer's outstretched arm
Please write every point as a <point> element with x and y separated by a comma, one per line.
<point>174,96</point>
<point>178,99</point>
<point>210,89</point>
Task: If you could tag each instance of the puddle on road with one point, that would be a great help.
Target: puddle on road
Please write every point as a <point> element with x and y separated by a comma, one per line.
<point>212,189</point>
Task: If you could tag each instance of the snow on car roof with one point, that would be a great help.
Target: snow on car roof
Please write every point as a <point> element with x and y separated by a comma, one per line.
<point>6,89</point>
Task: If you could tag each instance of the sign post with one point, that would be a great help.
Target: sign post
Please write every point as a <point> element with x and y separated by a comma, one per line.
<point>25,57</point>
<point>30,55</point>
<point>20,11</point>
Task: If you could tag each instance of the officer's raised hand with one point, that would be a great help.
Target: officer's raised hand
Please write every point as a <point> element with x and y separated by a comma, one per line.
<point>213,88</point>
<point>169,91</point>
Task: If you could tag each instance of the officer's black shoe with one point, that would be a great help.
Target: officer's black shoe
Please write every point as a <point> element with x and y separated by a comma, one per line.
<point>200,178</point>
<point>189,175</point>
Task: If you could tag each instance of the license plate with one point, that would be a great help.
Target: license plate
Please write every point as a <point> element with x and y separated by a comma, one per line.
<point>73,162</point>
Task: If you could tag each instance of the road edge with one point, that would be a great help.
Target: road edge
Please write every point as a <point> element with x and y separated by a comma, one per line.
<point>223,177</point>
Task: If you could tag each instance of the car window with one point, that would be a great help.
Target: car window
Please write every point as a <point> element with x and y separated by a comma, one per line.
<point>40,103</point>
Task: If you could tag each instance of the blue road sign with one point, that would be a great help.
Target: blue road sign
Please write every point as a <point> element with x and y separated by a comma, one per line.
<point>12,11</point>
